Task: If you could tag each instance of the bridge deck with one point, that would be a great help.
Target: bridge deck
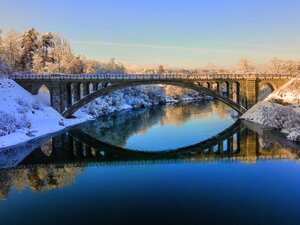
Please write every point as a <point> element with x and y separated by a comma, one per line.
<point>151,76</point>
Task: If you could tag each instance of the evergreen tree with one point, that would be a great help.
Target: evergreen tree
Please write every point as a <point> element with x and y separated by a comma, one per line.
<point>29,45</point>
<point>41,56</point>
<point>46,42</point>
<point>160,69</point>
<point>38,65</point>
<point>76,66</point>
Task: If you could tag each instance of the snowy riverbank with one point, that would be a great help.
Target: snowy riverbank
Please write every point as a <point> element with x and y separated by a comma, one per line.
<point>24,117</point>
<point>280,110</point>
<point>140,96</point>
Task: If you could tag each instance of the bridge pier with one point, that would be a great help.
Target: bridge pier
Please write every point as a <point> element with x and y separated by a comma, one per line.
<point>249,145</point>
<point>85,90</point>
<point>252,92</point>
<point>248,93</point>
<point>70,93</point>
<point>61,96</point>
<point>77,95</point>
<point>65,99</point>
<point>230,145</point>
<point>56,97</point>
<point>230,90</point>
<point>236,92</point>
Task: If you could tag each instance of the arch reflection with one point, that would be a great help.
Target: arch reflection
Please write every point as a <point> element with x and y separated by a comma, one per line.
<point>76,148</point>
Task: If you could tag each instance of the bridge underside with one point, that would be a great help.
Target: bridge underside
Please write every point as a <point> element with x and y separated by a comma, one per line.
<point>68,95</point>
<point>118,86</point>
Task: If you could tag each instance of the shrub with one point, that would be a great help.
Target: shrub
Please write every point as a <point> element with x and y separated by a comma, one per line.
<point>8,124</point>
<point>24,106</point>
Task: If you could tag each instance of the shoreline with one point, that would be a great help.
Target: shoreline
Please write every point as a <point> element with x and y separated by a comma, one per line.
<point>71,123</point>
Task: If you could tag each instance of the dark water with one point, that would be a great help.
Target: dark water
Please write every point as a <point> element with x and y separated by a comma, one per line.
<point>207,169</point>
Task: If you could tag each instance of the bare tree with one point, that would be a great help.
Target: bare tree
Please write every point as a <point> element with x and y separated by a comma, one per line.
<point>246,65</point>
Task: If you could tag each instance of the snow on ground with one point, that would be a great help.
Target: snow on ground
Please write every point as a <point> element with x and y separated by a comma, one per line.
<point>139,96</point>
<point>24,117</point>
<point>280,110</point>
<point>288,94</point>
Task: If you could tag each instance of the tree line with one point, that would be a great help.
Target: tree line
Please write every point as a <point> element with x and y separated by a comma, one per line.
<point>244,65</point>
<point>47,53</point>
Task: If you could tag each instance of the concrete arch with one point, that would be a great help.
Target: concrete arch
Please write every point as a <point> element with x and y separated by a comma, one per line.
<point>71,94</point>
<point>215,86</point>
<point>44,95</point>
<point>90,87</point>
<point>236,91</point>
<point>34,90</point>
<point>86,99</point>
<point>98,86</point>
<point>206,85</point>
<point>264,90</point>
<point>81,90</point>
<point>224,88</point>
<point>269,84</point>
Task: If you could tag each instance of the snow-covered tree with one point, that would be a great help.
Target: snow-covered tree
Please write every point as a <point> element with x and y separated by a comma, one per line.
<point>46,42</point>
<point>76,66</point>
<point>90,66</point>
<point>29,45</point>
<point>1,45</point>
<point>2,65</point>
<point>246,66</point>
<point>96,67</point>
<point>160,69</point>
<point>41,56</point>
<point>47,53</point>
<point>60,56</point>
<point>12,51</point>
<point>276,65</point>
<point>38,65</point>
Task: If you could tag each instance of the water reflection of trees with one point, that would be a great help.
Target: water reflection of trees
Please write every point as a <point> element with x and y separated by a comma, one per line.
<point>118,127</point>
<point>38,179</point>
<point>274,147</point>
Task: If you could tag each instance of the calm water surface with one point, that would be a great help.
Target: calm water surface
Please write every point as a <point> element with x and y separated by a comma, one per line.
<point>179,164</point>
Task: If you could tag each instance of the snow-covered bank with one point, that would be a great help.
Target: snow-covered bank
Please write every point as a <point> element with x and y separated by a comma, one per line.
<point>24,117</point>
<point>280,110</point>
<point>140,96</point>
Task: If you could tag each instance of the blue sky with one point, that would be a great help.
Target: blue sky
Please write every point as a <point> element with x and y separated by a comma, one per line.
<point>174,32</point>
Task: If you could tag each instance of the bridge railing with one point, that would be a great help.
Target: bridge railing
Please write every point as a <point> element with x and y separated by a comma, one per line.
<point>149,76</point>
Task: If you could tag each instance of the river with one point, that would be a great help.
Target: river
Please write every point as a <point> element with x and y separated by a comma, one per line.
<point>189,163</point>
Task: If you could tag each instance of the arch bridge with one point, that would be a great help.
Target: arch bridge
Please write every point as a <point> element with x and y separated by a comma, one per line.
<point>68,93</point>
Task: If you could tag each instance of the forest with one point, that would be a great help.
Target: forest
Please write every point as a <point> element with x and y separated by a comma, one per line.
<point>47,53</point>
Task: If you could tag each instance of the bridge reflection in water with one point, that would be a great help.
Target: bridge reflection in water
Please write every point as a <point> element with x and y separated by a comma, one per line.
<point>58,161</point>
<point>77,148</point>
